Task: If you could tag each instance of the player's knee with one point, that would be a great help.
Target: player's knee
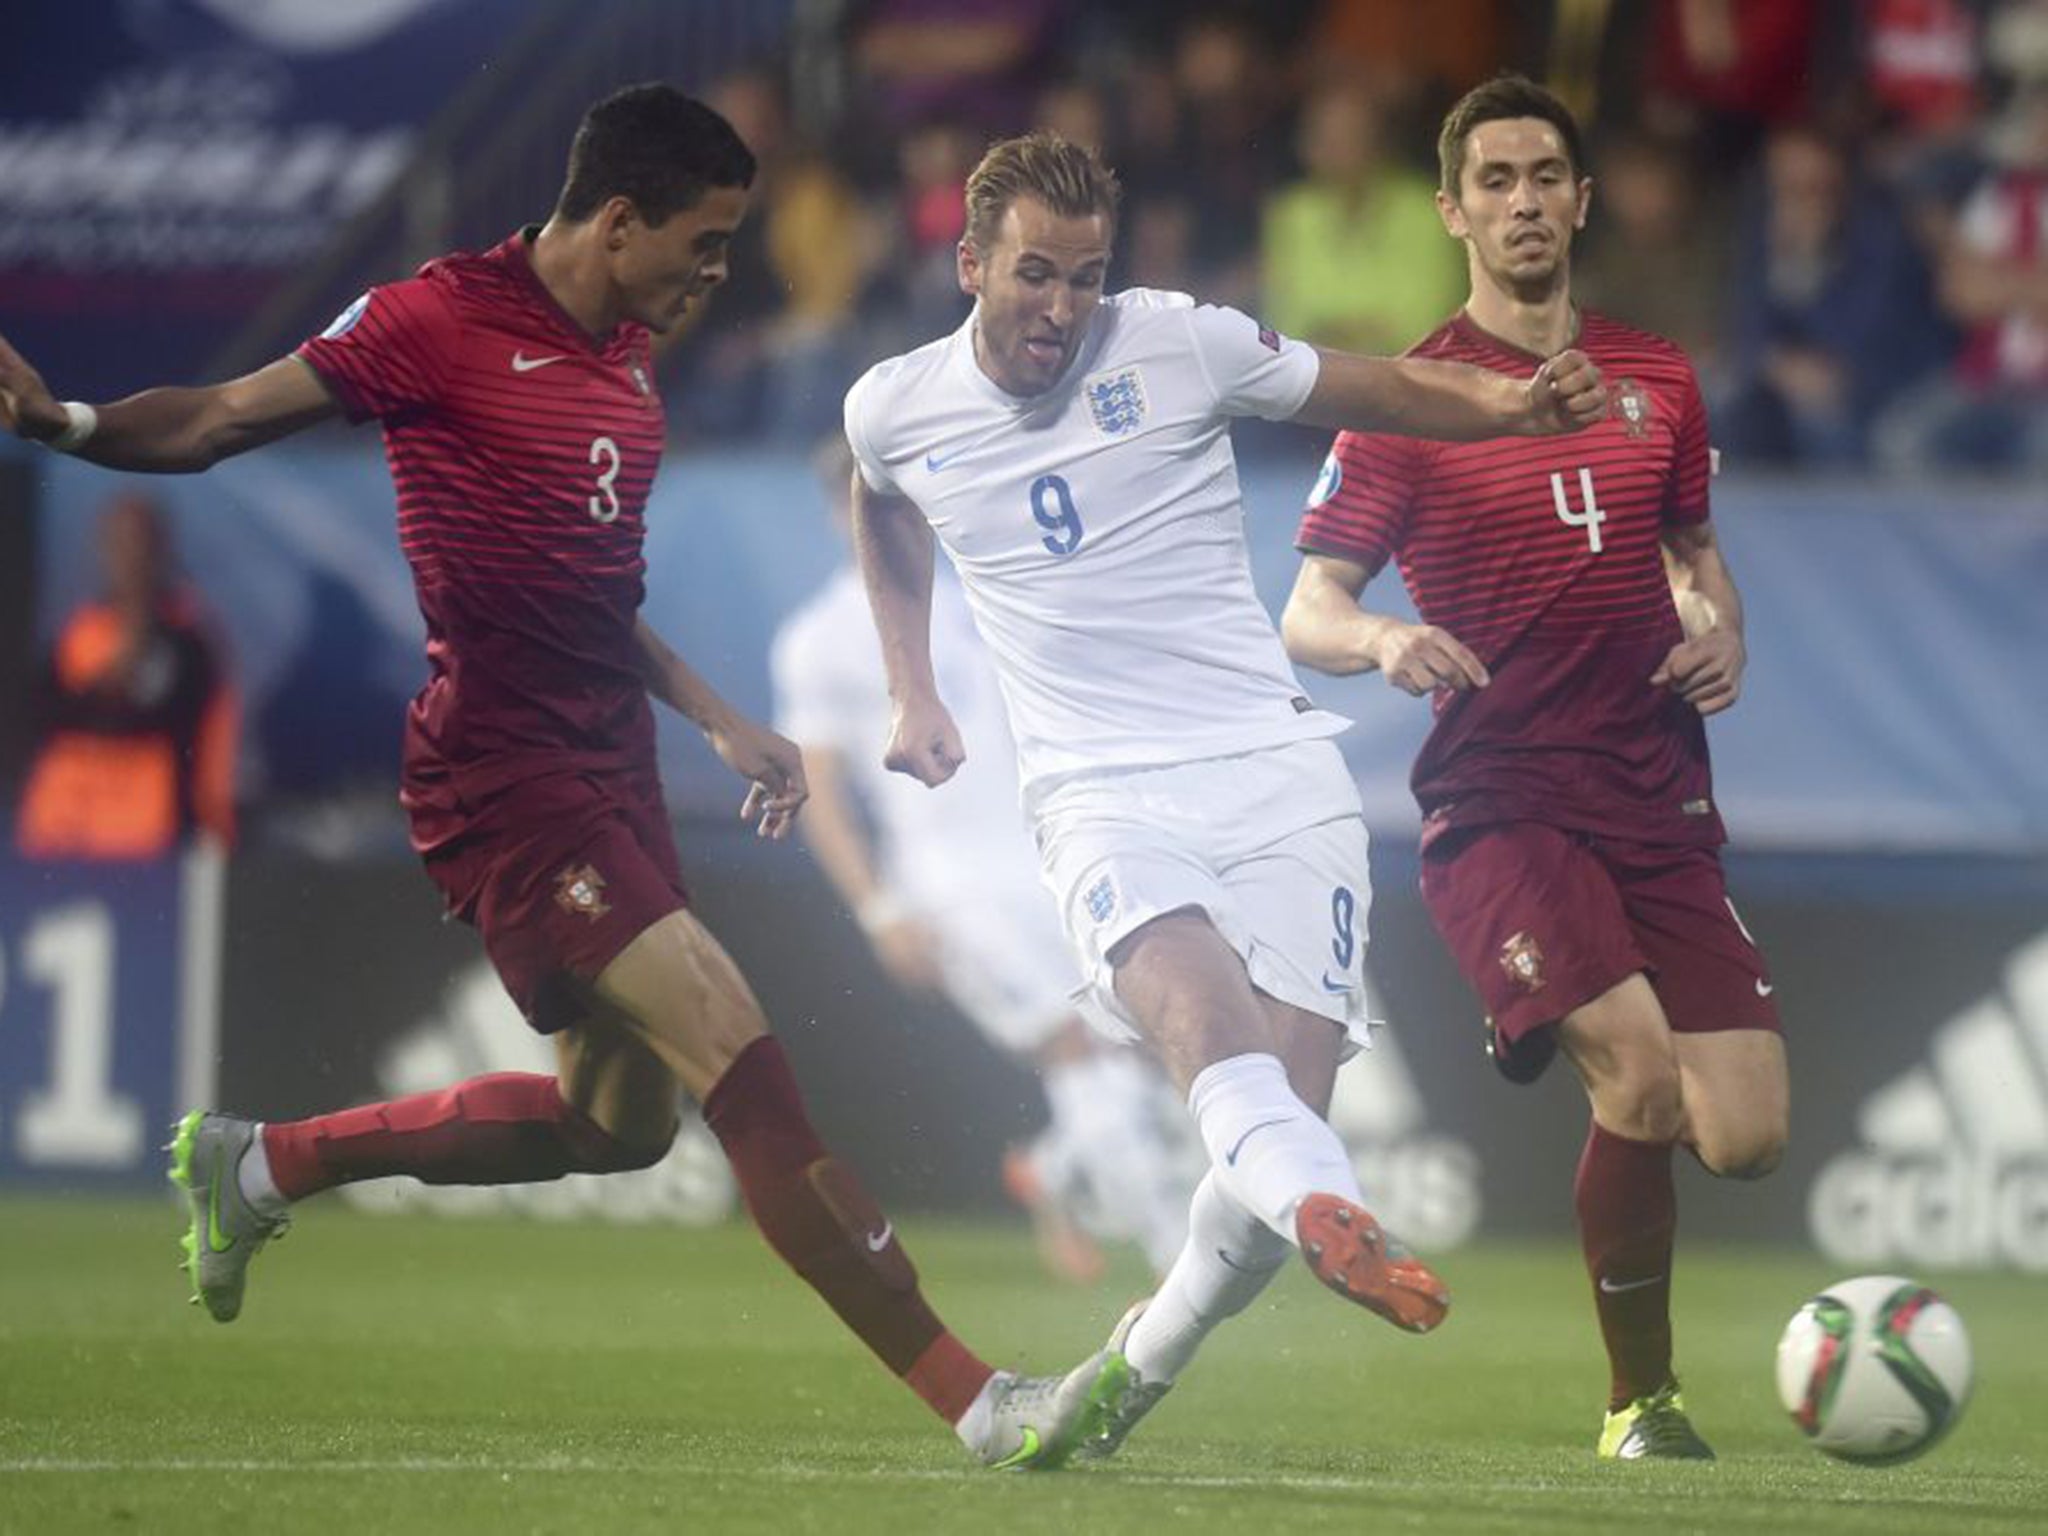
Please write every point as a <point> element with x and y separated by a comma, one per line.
<point>1749,1153</point>
<point>600,1151</point>
<point>1643,1101</point>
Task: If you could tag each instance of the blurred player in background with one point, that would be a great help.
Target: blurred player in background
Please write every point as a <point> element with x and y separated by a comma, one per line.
<point>516,394</point>
<point>1577,624</point>
<point>138,711</point>
<point>1202,833</point>
<point>946,888</point>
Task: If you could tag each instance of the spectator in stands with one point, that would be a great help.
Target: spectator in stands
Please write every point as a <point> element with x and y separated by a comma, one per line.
<point>1230,148</point>
<point>1355,255</point>
<point>1833,312</point>
<point>1657,254</point>
<point>1991,410</point>
<point>139,716</point>
<point>973,62</point>
<point>1727,71</point>
<point>779,341</point>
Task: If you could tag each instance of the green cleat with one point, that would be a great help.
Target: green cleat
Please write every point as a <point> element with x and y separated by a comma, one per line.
<point>226,1232</point>
<point>1138,1397</point>
<point>1653,1426</point>
<point>1039,1421</point>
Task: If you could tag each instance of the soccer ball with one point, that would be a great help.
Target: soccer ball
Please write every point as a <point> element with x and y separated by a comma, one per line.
<point>1875,1369</point>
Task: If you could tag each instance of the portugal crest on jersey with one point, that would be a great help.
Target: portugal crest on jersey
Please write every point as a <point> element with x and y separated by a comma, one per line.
<point>1116,401</point>
<point>1632,408</point>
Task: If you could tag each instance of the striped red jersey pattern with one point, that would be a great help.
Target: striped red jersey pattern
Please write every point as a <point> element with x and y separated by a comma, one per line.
<point>522,451</point>
<point>1543,556</point>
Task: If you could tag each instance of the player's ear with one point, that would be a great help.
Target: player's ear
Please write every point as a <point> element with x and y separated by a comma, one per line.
<point>969,265</point>
<point>1585,202</point>
<point>615,218</point>
<point>1453,216</point>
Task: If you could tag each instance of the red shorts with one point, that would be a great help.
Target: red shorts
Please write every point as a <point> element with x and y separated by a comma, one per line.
<point>1542,919</point>
<point>559,874</point>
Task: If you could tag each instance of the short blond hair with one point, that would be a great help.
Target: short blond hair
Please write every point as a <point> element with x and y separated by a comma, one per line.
<point>1069,178</point>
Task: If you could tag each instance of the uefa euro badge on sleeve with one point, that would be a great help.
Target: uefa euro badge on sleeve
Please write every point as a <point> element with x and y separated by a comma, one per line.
<point>1116,401</point>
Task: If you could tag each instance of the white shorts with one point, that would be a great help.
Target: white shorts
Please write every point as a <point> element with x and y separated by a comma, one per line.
<point>1006,962</point>
<point>1270,844</point>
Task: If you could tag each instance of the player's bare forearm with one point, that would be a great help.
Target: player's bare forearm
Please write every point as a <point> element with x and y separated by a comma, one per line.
<point>177,430</point>
<point>1453,402</point>
<point>894,545</point>
<point>833,831</point>
<point>1705,668</point>
<point>1701,583</point>
<point>1323,626</point>
<point>679,685</point>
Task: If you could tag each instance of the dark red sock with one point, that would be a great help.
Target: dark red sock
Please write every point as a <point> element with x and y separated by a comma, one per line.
<point>508,1128</point>
<point>1628,1220</point>
<point>814,1213</point>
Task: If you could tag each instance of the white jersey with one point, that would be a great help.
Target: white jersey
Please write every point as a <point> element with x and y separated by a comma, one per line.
<point>937,851</point>
<point>1099,531</point>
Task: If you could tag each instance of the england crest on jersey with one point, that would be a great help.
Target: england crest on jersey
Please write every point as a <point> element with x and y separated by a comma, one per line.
<point>1116,401</point>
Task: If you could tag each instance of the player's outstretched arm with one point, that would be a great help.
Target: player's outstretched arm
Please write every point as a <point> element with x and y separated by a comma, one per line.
<point>165,431</point>
<point>771,764</point>
<point>1705,668</point>
<point>894,544</point>
<point>1453,402</point>
<point>837,835</point>
<point>1325,628</point>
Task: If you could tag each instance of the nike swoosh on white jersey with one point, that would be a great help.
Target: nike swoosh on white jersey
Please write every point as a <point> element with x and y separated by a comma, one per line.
<point>521,363</point>
<point>877,1241</point>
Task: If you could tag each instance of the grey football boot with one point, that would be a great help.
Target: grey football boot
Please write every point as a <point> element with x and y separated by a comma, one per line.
<point>227,1231</point>
<point>1040,1421</point>
<point>1138,1397</point>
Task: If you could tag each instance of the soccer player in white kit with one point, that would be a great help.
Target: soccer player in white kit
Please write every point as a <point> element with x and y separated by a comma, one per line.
<point>1198,827</point>
<point>946,888</point>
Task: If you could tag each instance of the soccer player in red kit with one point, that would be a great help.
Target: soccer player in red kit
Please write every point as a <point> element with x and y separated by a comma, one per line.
<point>515,389</point>
<point>1577,625</point>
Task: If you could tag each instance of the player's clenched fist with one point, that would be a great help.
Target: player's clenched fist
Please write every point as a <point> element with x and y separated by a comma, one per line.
<point>925,743</point>
<point>1568,393</point>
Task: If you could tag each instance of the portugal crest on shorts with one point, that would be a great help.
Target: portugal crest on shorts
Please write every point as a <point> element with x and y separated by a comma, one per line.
<point>1116,401</point>
<point>1632,408</point>
<point>580,891</point>
<point>1522,958</point>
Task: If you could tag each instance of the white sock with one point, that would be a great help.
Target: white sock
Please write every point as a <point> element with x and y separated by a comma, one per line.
<point>1268,1149</point>
<point>1106,1108</point>
<point>257,1186</point>
<point>1229,1258</point>
<point>973,1426</point>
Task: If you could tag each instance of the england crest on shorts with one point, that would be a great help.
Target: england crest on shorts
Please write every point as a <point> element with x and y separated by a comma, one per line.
<point>1100,899</point>
<point>1116,401</point>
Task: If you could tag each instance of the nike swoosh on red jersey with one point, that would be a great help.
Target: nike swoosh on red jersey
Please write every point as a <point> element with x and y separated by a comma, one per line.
<point>521,363</point>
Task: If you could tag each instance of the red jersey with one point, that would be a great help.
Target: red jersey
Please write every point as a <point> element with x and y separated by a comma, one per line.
<point>522,451</point>
<point>1543,555</point>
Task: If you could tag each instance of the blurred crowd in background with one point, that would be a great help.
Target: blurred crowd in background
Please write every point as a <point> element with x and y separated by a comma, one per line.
<point>1838,207</point>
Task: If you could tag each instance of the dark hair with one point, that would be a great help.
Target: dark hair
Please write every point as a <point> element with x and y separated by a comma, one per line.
<point>1070,179</point>
<point>1504,96</point>
<point>654,146</point>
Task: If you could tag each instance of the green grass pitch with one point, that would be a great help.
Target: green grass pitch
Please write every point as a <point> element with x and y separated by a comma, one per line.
<point>412,1375</point>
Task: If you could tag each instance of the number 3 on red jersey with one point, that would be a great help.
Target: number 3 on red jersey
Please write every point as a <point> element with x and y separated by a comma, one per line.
<point>1590,519</point>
